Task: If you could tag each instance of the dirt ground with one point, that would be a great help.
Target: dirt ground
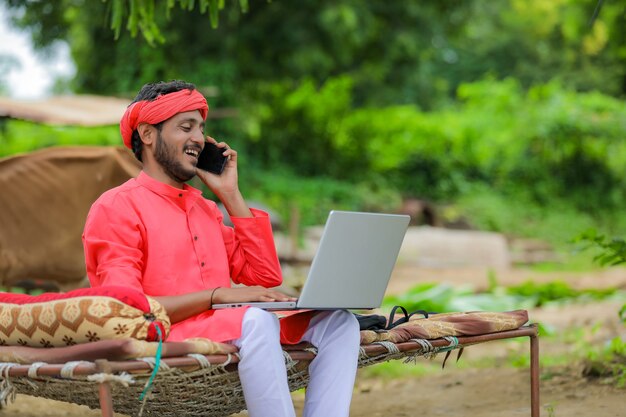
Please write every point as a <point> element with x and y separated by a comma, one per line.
<point>488,393</point>
<point>494,390</point>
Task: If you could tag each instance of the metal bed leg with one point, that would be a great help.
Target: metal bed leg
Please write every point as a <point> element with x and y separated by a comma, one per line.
<point>104,389</point>
<point>534,376</point>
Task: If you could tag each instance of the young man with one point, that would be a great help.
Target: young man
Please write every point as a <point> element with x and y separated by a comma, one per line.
<point>159,235</point>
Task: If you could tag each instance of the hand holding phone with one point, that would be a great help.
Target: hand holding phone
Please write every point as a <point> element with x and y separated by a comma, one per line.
<point>211,158</point>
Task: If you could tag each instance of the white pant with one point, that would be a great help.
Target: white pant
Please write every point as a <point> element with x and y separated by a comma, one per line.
<point>262,367</point>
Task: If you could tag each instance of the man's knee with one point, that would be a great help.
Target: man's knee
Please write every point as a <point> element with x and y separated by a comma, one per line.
<point>350,325</point>
<point>339,324</point>
<point>261,321</point>
<point>346,320</point>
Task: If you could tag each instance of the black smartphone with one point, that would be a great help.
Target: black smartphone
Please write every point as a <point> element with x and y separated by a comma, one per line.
<point>211,158</point>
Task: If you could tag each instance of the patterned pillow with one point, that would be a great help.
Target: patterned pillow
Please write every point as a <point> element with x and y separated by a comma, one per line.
<point>80,316</point>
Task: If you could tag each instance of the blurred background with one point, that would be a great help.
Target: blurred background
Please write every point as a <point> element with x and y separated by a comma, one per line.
<point>500,127</point>
<point>506,116</point>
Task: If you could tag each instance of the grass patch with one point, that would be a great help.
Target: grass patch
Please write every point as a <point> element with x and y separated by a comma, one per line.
<point>397,369</point>
<point>569,261</point>
<point>18,136</point>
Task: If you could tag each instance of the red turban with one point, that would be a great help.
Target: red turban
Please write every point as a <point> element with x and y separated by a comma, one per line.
<point>160,109</point>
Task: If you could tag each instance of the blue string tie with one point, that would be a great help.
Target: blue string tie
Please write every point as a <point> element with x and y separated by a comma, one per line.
<point>157,363</point>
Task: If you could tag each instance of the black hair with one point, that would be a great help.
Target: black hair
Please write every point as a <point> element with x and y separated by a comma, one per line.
<point>150,92</point>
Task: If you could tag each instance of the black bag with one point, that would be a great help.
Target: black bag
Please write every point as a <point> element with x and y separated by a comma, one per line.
<point>371,322</point>
<point>404,319</point>
<point>378,323</point>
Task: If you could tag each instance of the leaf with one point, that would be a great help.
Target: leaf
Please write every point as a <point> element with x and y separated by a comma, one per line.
<point>133,19</point>
<point>117,14</point>
<point>214,13</point>
<point>613,252</point>
<point>141,15</point>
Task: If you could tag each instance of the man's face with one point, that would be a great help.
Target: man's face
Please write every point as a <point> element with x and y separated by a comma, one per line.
<point>178,145</point>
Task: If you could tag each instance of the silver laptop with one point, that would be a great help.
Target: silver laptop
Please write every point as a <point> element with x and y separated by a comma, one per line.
<point>352,266</point>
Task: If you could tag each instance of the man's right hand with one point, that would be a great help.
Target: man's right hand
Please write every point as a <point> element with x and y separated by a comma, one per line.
<point>247,294</point>
<point>181,307</point>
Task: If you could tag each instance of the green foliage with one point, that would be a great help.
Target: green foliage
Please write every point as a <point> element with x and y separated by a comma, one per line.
<point>442,298</point>
<point>285,192</point>
<point>610,251</point>
<point>509,160</point>
<point>396,52</point>
<point>18,136</point>
<point>277,114</point>
<point>142,15</point>
<point>510,163</point>
<point>542,293</point>
<point>515,161</point>
<point>548,142</point>
<point>501,136</point>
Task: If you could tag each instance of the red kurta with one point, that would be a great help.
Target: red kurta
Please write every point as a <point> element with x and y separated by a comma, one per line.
<point>167,241</point>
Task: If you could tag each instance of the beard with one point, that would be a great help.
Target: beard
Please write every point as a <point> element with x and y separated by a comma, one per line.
<point>165,155</point>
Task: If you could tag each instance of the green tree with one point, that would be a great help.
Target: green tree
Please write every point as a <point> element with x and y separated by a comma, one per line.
<point>398,52</point>
<point>350,88</point>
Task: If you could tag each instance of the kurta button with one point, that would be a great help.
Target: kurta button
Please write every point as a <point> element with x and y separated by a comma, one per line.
<point>180,195</point>
<point>202,264</point>
<point>195,238</point>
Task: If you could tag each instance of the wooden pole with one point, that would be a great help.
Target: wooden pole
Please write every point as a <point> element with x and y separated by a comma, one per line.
<point>104,389</point>
<point>534,375</point>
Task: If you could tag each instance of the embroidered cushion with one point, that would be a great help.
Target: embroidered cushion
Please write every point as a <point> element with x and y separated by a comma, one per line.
<point>80,316</point>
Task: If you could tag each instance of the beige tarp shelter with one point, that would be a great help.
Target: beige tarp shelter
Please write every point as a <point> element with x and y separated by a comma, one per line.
<point>77,110</point>
<point>83,110</point>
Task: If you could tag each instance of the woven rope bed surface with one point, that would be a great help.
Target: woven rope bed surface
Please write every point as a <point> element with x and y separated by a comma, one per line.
<point>195,385</point>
